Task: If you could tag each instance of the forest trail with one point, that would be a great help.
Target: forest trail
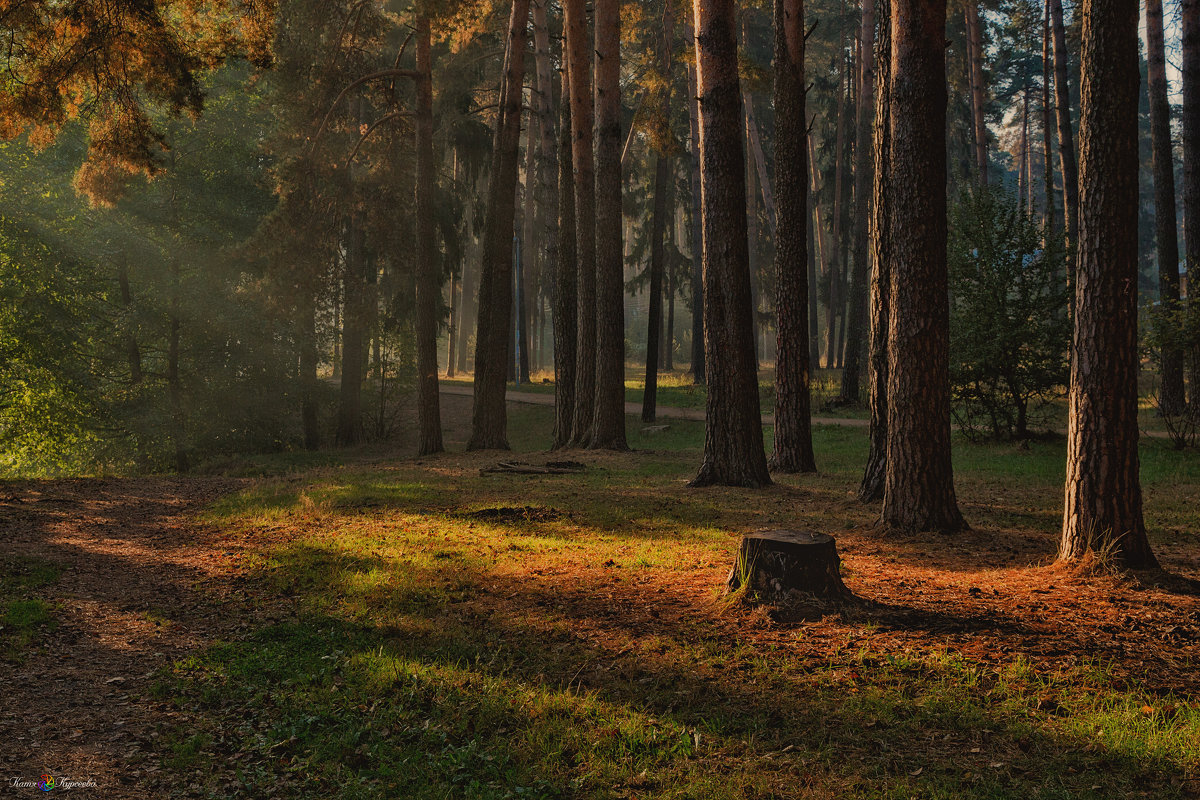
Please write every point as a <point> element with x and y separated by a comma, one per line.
<point>142,582</point>
<point>634,409</point>
<point>694,414</point>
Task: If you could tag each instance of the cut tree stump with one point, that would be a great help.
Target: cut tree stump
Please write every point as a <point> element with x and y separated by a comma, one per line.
<point>777,565</point>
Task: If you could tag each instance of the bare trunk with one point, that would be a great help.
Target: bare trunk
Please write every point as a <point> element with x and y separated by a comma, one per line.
<point>608,428</point>
<point>856,328</point>
<point>133,353</point>
<point>489,418</point>
<point>1171,396</point>
<point>696,227</point>
<point>833,265</point>
<point>1191,176</point>
<point>527,287</point>
<point>579,63</point>
<point>174,382</point>
<point>306,335</point>
<point>793,451</point>
<point>428,284</point>
<point>1047,125</point>
<point>1066,135</point>
<point>1103,508</point>
<point>547,186</point>
<point>975,56</point>
<point>354,336</point>
<point>658,226</point>
<point>565,303</point>
<point>919,482</point>
<point>733,443</point>
<point>662,167</point>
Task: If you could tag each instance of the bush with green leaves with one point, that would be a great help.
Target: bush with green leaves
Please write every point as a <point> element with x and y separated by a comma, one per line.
<point>1009,316</point>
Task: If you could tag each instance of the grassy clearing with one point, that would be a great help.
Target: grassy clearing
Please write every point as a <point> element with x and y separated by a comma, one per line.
<point>22,614</point>
<point>420,651</point>
<point>678,390</point>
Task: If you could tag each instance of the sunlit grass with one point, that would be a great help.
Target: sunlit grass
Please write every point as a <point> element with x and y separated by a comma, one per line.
<point>430,653</point>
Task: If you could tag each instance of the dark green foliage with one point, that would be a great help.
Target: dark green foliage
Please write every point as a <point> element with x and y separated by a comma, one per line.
<point>1009,325</point>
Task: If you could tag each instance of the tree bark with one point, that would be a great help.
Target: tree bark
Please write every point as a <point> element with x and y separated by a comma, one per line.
<point>696,230</point>
<point>1191,175</point>
<point>429,284</point>
<point>919,482</point>
<point>1103,510</point>
<point>1171,396</point>
<point>833,265</point>
<point>174,382</point>
<point>489,418</point>
<point>565,303</point>
<point>824,256</point>
<point>452,325</point>
<point>654,322</point>
<point>527,275</point>
<point>975,56</point>
<point>733,443</point>
<point>752,237</point>
<point>608,428</point>
<point>354,335</point>
<point>1047,124</point>
<point>857,323</point>
<point>548,162</point>
<point>1066,135</point>
<point>579,64</point>
<point>133,353</point>
<point>658,225</point>
<point>306,336</point>
<point>793,451</point>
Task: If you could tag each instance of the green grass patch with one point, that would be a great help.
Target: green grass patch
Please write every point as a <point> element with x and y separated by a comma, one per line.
<point>22,614</point>
<point>432,653</point>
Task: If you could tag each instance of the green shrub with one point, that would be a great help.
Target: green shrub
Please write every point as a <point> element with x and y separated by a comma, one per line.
<point>1009,321</point>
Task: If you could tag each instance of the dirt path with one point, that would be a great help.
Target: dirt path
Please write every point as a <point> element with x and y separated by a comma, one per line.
<point>141,584</point>
<point>695,414</point>
<point>667,412</point>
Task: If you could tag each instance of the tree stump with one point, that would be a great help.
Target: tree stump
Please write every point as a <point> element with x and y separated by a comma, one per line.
<point>775,565</point>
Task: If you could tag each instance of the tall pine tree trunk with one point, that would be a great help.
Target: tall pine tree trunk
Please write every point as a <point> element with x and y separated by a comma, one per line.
<point>662,166</point>
<point>547,186</point>
<point>565,303</point>
<point>1171,396</point>
<point>527,287</point>
<point>856,328</point>
<point>658,227</point>
<point>1103,508</point>
<point>733,442</point>
<point>696,228</point>
<point>579,62</point>
<point>793,450</point>
<point>354,335</point>
<point>975,57</point>
<point>919,482</point>
<point>489,418</point>
<point>174,379</point>
<point>608,429</point>
<point>428,284</point>
<point>1066,134</point>
<point>1047,123</point>
<point>306,336</point>
<point>133,353</point>
<point>1191,176</point>
<point>833,265</point>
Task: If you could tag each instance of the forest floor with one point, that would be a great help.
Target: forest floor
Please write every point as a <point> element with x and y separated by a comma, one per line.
<point>368,625</point>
